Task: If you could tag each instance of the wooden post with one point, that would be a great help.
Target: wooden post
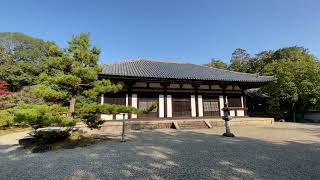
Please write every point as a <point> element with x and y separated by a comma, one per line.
<point>72,104</point>
<point>123,128</point>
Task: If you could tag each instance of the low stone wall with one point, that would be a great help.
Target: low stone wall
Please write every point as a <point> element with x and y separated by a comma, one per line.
<point>116,126</point>
<point>243,121</point>
<point>160,124</point>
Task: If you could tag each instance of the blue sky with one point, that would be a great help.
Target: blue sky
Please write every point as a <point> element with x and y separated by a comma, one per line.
<point>183,30</point>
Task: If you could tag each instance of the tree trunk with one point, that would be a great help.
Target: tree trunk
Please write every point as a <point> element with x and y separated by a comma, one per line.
<point>294,111</point>
<point>123,128</point>
<point>72,104</point>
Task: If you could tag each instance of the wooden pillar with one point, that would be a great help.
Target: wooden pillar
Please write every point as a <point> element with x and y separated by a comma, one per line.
<point>129,98</point>
<point>244,100</point>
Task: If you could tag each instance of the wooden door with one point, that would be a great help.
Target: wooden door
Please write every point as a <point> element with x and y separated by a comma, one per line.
<point>181,106</point>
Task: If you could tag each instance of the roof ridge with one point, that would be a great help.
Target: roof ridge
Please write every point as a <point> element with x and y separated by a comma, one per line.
<point>252,74</point>
<point>143,59</point>
<point>179,62</point>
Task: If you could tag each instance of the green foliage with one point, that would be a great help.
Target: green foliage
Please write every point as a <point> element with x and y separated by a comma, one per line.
<point>89,111</point>
<point>50,93</point>
<point>25,95</point>
<point>298,77</point>
<point>47,137</point>
<point>216,63</point>
<point>28,96</point>
<point>42,115</point>
<point>72,72</point>
<point>6,118</point>
<point>102,86</point>
<point>298,80</point>
<point>239,60</point>
<point>19,59</point>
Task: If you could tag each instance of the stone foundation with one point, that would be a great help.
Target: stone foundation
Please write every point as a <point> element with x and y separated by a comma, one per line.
<point>116,126</point>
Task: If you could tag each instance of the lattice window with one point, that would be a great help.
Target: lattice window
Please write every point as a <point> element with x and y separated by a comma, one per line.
<point>210,106</point>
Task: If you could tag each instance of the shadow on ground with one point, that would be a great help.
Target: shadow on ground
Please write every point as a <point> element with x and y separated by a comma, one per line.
<point>169,154</point>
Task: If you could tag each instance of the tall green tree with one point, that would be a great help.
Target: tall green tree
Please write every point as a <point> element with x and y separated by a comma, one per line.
<point>216,63</point>
<point>239,60</point>
<point>72,72</point>
<point>20,56</point>
<point>71,75</point>
<point>298,81</point>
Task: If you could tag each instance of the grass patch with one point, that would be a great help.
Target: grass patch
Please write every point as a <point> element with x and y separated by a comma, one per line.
<point>73,141</point>
<point>13,130</point>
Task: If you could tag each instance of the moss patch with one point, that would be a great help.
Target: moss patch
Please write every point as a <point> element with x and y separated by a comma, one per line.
<point>73,141</point>
<point>13,130</point>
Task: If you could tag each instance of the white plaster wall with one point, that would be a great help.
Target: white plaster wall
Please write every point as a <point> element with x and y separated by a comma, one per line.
<point>193,106</point>
<point>221,104</point>
<point>102,98</point>
<point>232,113</point>
<point>119,116</point>
<point>242,105</point>
<point>200,106</point>
<point>174,86</point>
<point>152,85</point>
<point>237,88</point>
<point>161,105</point>
<point>140,84</point>
<point>134,103</point>
<point>127,104</point>
<point>169,106</point>
<point>227,101</point>
<point>106,116</point>
<point>240,112</point>
<point>229,88</point>
<point>187,86</point>
<point>215,87</point>
<point>204,87</point>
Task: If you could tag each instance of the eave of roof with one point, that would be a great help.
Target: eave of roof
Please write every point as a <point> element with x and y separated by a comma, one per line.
<point>178,71</point>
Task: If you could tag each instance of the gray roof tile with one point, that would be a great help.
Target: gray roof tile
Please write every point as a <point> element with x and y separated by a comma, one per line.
<point>176,70</point>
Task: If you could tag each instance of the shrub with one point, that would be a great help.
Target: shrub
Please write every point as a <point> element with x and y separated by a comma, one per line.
<point>6,118</point>
<point>50,135</point>
<point>43,115</point>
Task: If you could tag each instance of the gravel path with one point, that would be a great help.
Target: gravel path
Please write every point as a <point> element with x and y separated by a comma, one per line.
<point>283,151</point>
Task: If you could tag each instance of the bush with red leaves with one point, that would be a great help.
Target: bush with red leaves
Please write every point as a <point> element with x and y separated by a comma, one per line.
<point>3,88</point>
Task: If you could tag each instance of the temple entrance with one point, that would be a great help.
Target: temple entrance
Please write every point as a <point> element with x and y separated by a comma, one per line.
<point>181,106</point>
<point>144,101</point>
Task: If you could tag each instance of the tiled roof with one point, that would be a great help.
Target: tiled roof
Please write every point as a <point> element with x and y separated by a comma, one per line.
<point>175,70</point>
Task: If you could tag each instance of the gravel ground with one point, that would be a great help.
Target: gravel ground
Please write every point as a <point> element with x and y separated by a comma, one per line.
<point>281,151</point>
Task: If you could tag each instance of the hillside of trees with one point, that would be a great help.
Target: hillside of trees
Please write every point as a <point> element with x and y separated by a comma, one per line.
<point>297,88</point>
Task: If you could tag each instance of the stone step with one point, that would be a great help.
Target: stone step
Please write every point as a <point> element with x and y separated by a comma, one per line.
<point>193,125</point>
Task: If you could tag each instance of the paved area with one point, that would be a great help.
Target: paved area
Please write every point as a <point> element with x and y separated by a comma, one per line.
<point>281,151</point>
